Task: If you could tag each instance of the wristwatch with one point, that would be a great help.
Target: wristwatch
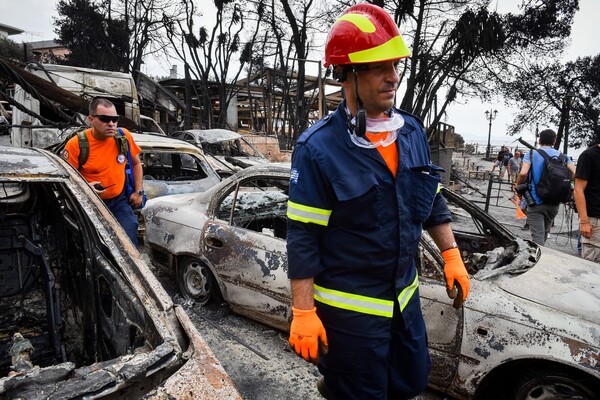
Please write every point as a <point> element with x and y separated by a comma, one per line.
<point>141,192</point>
<point>454,245</point>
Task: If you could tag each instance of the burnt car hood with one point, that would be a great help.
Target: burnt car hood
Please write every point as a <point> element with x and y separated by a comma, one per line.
<point>556,282</point>
<point>185,209</point>
<point>157,188</point>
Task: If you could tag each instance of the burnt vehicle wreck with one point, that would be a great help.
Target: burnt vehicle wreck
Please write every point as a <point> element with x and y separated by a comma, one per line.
<point>226,150</point>
<point>529,328</point>
<point>82,316</point>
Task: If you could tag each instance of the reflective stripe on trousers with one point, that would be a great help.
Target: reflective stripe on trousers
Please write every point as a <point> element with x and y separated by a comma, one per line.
<point>365,304</point>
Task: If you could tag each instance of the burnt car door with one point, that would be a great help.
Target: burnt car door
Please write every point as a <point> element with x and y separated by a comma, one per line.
<point>245,242</point>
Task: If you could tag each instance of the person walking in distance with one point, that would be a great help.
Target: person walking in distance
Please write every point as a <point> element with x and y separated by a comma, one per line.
<point>587,201</point>
<point>362,188</point>
<point>514,165</point>
<point>505,158</point>
<point>499,161</point>
<point>105,167</point>
<point>547,190</point>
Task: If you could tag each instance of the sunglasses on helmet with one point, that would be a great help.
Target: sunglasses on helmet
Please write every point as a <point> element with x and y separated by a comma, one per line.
<point>107,118</point>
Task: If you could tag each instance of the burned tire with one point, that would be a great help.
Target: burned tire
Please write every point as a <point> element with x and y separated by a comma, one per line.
<point>196,281</point>
<point>551,384</point>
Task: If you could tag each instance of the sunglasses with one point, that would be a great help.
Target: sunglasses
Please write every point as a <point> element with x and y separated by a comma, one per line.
<point>107,118</point>
<point>377,68</point>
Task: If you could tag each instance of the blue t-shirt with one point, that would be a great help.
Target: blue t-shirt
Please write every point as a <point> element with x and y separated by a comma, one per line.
<point>538,166</point>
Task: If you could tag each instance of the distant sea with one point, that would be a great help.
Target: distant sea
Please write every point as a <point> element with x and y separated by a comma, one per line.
<point>515,145</point>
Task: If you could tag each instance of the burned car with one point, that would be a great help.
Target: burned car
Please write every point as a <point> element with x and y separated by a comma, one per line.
<point>227,151</point>
<point>529,328</point>
<point>172,166</point>
<point>82,314</point>
<point>242,223</point>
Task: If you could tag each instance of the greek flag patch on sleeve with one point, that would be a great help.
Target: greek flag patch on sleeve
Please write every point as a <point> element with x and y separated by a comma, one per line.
<point>294,174</point>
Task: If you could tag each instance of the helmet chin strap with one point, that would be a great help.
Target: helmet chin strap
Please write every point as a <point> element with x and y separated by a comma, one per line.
<point>361,115</point>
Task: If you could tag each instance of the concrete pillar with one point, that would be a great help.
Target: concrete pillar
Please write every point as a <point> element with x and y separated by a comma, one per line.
<point>232,114</point>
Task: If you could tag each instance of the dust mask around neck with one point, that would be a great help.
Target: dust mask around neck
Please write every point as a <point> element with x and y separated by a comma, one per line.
<point>388,127</point>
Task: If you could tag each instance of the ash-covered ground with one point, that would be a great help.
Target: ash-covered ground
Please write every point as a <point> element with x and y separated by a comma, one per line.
<point>257,358</point>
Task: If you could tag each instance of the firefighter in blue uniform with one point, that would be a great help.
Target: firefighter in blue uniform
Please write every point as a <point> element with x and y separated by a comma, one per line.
<point>362,188</point>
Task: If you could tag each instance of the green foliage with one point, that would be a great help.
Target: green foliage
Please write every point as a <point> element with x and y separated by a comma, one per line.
<point>11,50</point>
<point>462,49</point>
<point>459,141</point>
<point>93,40</point>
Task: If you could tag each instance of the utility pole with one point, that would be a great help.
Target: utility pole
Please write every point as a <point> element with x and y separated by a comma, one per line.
<point>563,125</point>
<point>319,82</point>
<point>568,101</point>
<point>187,119</point>
<point>490,116</point>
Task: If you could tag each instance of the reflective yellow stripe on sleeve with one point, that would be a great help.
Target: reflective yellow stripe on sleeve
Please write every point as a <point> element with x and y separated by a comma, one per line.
<point>407,293</point>
<point>298,212</point>
<point>354,302</point>
<point>439,189</point>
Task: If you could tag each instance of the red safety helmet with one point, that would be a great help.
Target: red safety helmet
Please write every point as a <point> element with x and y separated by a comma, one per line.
<point>364,33</point>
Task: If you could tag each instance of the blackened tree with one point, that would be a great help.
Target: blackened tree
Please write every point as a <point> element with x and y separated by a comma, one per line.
<point>145,24</point>
<point>215,56</point>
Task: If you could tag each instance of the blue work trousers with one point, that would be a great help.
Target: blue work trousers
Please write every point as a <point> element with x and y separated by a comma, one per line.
<point>395,365</point>
<point>123,212</point>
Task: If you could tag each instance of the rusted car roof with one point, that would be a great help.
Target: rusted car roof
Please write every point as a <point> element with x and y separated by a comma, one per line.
<point>227,151</point>
<point>215,135</point>
<point>20,163</point>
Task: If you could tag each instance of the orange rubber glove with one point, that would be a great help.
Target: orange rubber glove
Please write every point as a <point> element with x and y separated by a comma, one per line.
<point>456,273</point>
<point>307,335</point>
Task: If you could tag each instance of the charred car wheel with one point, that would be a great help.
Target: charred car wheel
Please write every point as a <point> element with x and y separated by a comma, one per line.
<point>548,384</point>
<point>196,281</point>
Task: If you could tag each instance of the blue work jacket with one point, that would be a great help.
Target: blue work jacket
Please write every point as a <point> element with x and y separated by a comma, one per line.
<point>352,225</point>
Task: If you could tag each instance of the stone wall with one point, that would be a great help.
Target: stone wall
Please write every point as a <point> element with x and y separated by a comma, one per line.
<point>269,147</point>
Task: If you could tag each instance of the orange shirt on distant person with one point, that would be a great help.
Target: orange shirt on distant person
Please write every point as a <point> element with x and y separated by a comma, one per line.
<point>102,164</point>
